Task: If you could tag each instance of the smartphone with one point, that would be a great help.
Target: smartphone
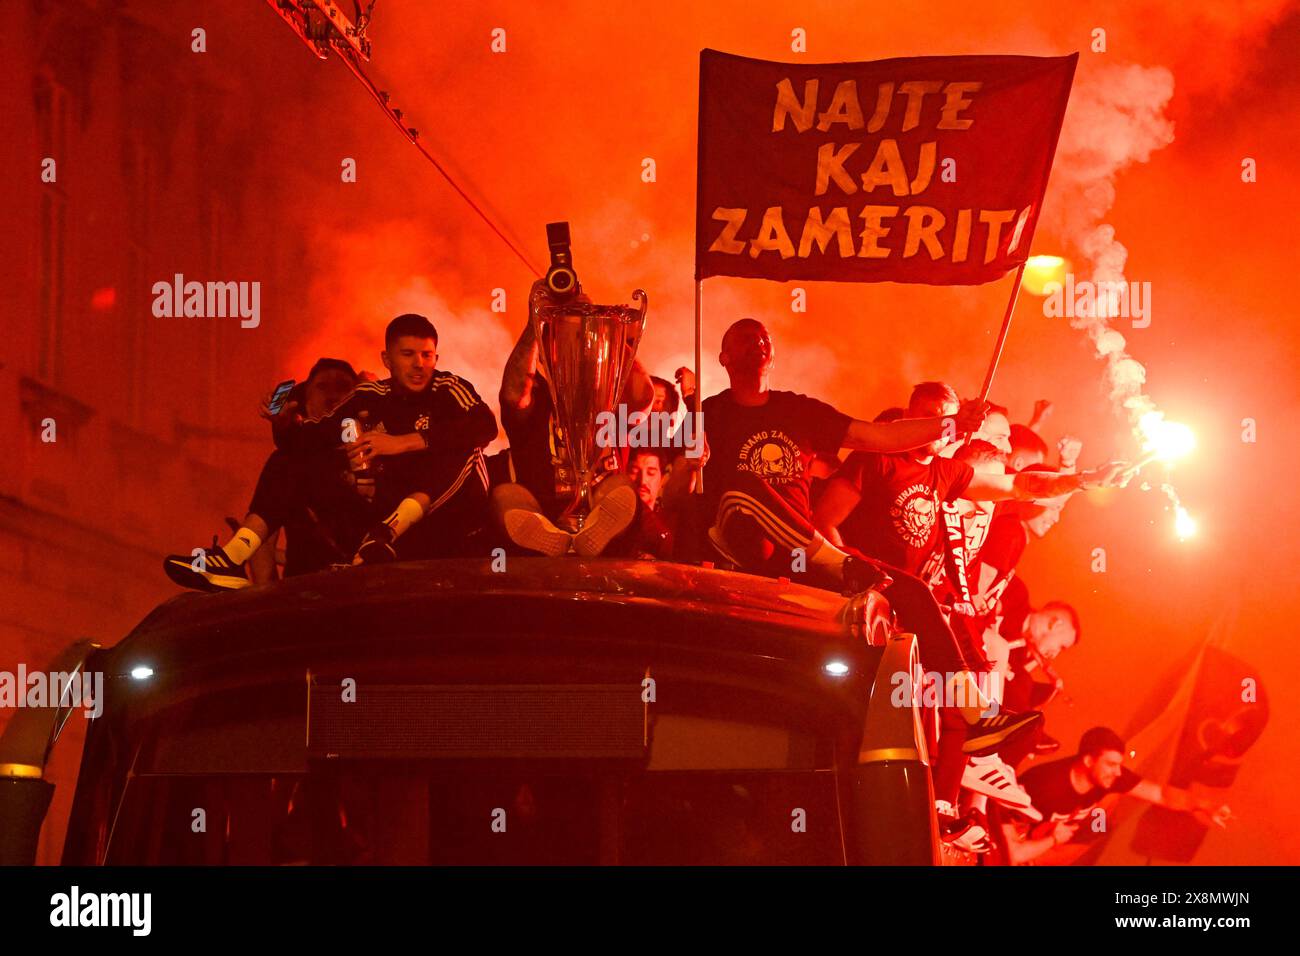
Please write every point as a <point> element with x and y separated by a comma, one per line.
<point>279,395</point>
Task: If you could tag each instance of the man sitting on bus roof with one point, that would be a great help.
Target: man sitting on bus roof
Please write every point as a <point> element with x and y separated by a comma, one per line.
<point>545,480</point>
<point>307,495</point>
<point>764,446</point>
<point>418,435</point>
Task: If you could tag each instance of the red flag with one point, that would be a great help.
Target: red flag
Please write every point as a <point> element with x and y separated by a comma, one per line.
<point>925,169</point>
<point>1226,715</point>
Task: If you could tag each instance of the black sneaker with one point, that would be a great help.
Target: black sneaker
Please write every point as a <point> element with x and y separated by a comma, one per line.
<point>987,734</point>
<point>218,572</point>
<point>376,547</point>
<point>860,575</point>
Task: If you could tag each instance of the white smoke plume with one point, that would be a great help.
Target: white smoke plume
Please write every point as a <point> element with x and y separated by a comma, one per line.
<point>1116,118</point>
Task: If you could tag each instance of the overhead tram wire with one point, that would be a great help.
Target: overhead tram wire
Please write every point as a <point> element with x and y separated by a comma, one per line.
<point>412,136</point>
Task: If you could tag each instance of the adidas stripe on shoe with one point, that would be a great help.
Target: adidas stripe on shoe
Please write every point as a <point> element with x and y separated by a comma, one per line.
<point>211,570</point>
<point>992,777</point>
<point>988,734</point>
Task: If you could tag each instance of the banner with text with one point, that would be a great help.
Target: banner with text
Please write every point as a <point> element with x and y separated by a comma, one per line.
<point>924,169</point>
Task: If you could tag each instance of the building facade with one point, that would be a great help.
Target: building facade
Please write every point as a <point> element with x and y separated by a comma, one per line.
<point>131,157</point>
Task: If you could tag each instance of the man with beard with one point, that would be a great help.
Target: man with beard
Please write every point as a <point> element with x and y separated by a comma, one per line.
<point>652,532</point>
<point>1068,792</point>
<point>419,434</point>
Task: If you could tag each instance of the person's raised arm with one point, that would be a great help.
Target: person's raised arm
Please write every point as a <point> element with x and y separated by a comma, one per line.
<point>1174,798</point>
<point>293,433</point>
<point>1042,411</point>
<point>639,391</point>
<point>684,475</point>
<point>1037,485</point>
<point>520,373</point>
<point>908,433</point>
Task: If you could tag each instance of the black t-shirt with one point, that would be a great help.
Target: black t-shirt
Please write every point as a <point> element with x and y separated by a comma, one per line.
<point>1015,608</point>
<point>1024,691</point>
<point>776,441</point>
<point>1053,796</point>
<point>898,520</point>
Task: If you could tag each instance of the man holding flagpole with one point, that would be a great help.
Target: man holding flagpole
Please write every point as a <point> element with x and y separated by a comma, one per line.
<point>923,170</point>
<point>763,446</point>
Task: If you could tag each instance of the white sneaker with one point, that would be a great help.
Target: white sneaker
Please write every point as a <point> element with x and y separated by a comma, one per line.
<point>963,832</point>
<point>994,778</point>
<point>607,520</point>
<point>533,531</point>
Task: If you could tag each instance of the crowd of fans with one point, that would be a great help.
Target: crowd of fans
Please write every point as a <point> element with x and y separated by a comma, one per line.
<point>934,506</point>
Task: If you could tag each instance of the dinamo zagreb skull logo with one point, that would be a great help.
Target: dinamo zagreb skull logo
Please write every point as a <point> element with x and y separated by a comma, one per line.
<point>913,513</point>
<point>771,456</point>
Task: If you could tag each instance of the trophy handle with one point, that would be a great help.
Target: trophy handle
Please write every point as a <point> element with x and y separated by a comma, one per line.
<point>636,326</point>
<point>539,298</point>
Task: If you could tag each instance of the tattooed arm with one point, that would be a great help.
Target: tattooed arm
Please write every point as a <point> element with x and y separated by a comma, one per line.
<point>1037,485</point>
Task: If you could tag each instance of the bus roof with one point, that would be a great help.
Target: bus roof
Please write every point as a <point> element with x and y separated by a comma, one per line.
<point>537,596</point>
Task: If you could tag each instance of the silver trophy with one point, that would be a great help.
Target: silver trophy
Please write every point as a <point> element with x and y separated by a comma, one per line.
<point>587,352</point>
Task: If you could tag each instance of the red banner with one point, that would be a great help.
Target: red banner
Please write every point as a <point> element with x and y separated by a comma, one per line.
<point>926,169</point>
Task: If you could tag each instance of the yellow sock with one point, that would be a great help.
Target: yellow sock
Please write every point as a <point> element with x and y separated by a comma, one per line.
<point>241,547</point>
<point>407,513</point>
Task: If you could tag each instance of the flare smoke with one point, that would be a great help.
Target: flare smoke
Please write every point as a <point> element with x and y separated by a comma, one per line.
<point>1116,118</point>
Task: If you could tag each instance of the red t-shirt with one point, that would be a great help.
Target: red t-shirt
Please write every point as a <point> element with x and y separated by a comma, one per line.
<point>898,520</point>
<point>1004,544</point>
<point>1003,547</point>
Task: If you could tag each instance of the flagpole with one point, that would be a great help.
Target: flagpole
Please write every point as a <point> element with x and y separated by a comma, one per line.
<point>699,382</point>
<point>1002,334</point>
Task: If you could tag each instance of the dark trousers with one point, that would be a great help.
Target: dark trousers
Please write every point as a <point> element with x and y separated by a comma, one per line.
<point>323,517</point>
<point>759,531</point>
<point>455,482</point>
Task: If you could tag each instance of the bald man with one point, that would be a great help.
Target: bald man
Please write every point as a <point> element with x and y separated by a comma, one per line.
<point>764,448</point>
